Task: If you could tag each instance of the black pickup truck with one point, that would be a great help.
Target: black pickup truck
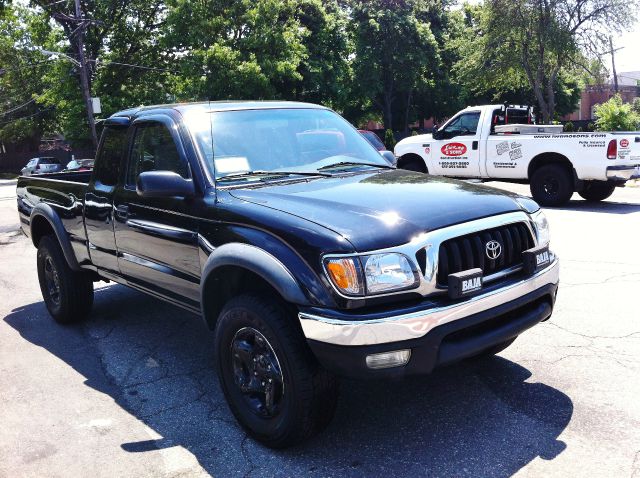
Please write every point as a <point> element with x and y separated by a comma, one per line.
<point>307,252</point>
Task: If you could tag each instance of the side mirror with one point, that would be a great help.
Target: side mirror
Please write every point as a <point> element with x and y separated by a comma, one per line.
<point>390,157</point>
<point>165,184</point>
<point>437,134</point>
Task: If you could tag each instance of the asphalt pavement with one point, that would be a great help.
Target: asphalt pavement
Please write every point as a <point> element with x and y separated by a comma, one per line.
<point>132,391</point>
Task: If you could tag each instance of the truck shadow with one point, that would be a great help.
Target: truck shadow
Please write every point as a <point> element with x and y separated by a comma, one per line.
<point>479,418</point>
<point>608,207</point>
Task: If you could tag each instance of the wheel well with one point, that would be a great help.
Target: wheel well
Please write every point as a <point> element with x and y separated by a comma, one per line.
<point>410,158</point>
<point>227,282</point>
<point>40,227</point>
<point>549,158</point>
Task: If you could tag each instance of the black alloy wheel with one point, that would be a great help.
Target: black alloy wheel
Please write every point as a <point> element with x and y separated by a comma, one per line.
<point>52,281</point>
<point>257,372</point>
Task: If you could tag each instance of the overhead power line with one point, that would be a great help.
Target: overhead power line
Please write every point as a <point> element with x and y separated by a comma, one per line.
<point>4,113</point>
<point>26,117</point>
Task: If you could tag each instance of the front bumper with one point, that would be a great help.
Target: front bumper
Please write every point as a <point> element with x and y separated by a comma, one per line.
<point>437,335</point>
<point>621,173</point>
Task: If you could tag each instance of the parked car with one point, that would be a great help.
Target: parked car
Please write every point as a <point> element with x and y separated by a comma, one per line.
<point>373,139</point>
<point>80,165</point>
<point>482,142</point>
<point>41,165</point>
<point>309,257</point>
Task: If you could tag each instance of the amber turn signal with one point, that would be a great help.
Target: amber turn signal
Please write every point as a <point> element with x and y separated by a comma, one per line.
<point>345,275</point>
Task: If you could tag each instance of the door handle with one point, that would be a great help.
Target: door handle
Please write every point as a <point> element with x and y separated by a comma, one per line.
<point>474,145</point>
<point>122,211</point>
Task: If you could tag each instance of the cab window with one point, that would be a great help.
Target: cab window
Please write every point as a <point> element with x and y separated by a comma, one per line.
<point>154,150</point>
<point>465,124</point>
<point>107,167</point>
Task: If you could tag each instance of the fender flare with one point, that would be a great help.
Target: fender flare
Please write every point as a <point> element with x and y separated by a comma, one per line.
<point>258,261</point>
<point>49,215</point>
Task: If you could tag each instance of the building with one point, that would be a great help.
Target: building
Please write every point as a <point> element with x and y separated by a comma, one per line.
<point>628,88</point>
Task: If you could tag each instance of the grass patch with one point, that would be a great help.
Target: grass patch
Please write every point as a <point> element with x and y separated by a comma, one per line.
<point>8,176</point>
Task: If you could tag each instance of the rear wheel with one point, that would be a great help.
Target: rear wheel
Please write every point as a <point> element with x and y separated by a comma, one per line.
<point>552,185</point>
<point>597,190</point>
<point>68,294</point>
<point>274,386</point>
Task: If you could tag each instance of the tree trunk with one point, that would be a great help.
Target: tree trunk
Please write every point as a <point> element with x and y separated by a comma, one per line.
<point>387,114</point>
<point>406,111</point>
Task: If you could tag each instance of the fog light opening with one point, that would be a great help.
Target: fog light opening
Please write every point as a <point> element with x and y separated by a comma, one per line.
<point>395,358</point>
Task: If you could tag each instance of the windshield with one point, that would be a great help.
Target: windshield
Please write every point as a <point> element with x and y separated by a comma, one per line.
<point>285,140</point>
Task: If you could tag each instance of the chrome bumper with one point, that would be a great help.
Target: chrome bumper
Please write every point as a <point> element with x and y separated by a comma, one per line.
<point>417,324</point>
<point>621,173</point>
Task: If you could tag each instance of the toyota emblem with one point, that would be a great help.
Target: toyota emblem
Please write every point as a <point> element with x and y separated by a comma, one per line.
<point>493,250</point>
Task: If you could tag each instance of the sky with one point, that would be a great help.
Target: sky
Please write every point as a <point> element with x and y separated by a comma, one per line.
<point>627,59</point>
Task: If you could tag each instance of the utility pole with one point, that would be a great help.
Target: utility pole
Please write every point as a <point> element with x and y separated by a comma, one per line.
<point>613,64</point>
<point>84,73</point>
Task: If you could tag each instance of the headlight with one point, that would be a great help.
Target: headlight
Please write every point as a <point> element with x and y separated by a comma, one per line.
<point>542,228</point>
<point>373,274</point>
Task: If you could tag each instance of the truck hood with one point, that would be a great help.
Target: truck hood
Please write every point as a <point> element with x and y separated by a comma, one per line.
<point>379,209</point>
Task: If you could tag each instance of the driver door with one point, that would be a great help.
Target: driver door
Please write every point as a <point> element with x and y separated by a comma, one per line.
<point>457,152</point>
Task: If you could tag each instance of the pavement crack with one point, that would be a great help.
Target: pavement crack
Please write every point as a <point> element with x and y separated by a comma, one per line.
<point>586,336</point>
<point>635,465</point>
<point>247,456</point>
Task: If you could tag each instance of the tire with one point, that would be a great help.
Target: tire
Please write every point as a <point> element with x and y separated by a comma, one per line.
<point>552,185</point>
<point>414,165</point>
<point>257,344</point>
<point>68,294</point>
<point>595,191</point>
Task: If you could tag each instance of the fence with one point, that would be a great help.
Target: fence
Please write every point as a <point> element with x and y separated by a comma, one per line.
<point>14,162</point>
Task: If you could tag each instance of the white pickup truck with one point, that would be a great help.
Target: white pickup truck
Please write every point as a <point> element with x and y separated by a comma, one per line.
<point>478,142</point>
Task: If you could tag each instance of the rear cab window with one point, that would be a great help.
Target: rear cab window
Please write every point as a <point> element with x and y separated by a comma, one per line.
<point>107,166</point>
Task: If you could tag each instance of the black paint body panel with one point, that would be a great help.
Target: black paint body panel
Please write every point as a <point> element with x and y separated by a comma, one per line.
<point>160,245</point>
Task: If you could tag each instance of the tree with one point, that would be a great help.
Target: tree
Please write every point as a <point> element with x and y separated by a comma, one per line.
<point>614,115</point>
<point>541,37</point>
<point>120,44</point>
<point>23,119</point>
<point>394,54</point>
<point>262,49</point>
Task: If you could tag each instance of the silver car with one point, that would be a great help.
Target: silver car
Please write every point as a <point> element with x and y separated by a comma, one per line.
<point>41,165</point>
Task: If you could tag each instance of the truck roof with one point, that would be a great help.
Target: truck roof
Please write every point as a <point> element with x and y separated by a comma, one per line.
<point>220,106</point>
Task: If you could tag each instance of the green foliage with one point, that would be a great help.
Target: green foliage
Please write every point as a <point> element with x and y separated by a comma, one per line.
<point>614,115</point>
<point>568,127</point>
<point>395,61</point>
<point>389,139</point>
<point>23,118</point>
<point>395,54</point>
<point>414,133</point>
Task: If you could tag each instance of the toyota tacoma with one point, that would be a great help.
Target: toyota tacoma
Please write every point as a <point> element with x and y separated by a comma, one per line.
<point>308,255</point>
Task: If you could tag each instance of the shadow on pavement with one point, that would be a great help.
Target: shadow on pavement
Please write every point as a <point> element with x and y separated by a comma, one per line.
<point>604,207</point>
<point>478,418</point>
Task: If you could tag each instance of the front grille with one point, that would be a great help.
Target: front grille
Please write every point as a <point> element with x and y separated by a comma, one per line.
<point>469,252</point>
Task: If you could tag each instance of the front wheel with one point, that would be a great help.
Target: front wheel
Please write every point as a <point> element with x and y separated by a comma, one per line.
<point>594,191</point>
<point>274,386</point>
<point>552,185</point>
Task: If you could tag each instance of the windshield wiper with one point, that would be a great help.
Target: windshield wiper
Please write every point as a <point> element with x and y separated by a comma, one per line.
<point>264,173</point>
<point>355,163</point>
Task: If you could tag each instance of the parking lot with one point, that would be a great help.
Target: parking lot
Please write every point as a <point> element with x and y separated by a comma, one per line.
<point>132,391</point>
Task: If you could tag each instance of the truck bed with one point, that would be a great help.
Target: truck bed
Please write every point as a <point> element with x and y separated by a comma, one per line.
<point>63,194</point>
